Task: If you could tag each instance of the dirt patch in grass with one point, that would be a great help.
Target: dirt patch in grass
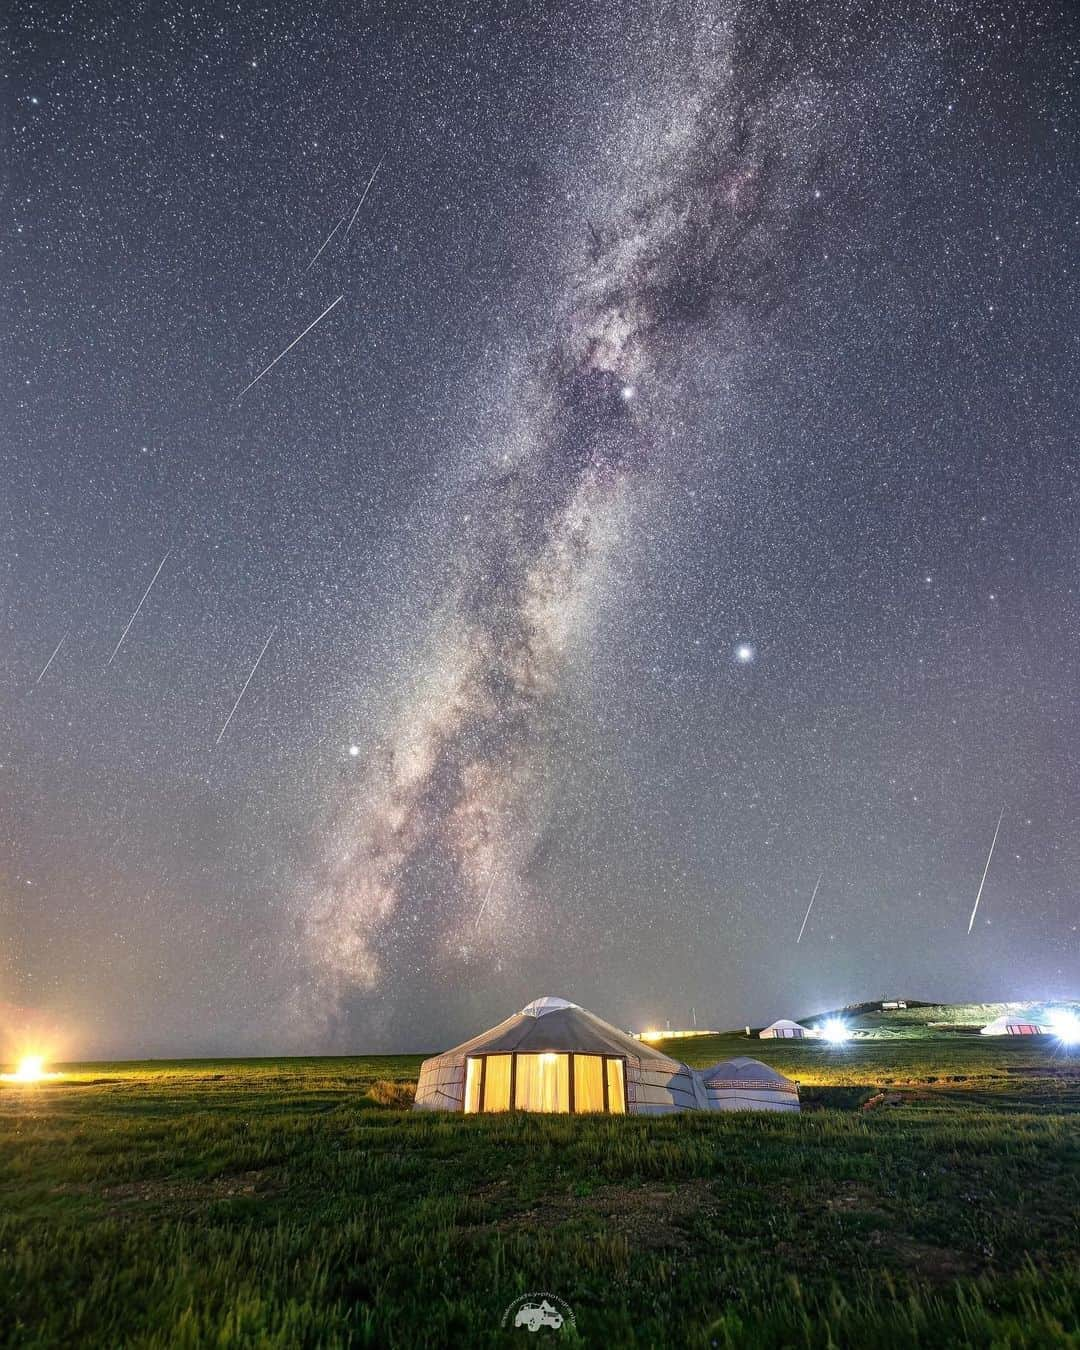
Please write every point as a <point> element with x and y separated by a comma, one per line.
<point>882,1099</point>
<point>130,1197</point>
<point>923,1259</point>
<point>852,1198</point>
<point>650,1216</point>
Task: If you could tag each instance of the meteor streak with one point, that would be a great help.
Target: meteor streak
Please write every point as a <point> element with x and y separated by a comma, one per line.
<point>51,659</point>
<point>359,204</point>
<point>975,907</point>
<point>809,907</point>
<point>243,691</point>
<point>487,895</point>
<point>330,236</point>
<point>134,616</point>
<point>363,195</point>
<point>289,348</point>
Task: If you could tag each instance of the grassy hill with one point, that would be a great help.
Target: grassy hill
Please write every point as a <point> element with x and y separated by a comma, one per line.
<point>926,1197</point>
<point>926,1045</point>
<point>921,1018</point>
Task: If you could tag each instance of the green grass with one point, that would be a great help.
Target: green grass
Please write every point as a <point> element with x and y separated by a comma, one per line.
<point>278,1203</point>
<point>1035,1072</point>
<point>926,1019</point>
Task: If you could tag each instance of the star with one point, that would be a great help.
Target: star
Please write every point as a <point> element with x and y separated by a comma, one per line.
<point>744,653</point>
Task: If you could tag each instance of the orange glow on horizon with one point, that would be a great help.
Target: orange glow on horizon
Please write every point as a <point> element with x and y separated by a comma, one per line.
<point>30,1069</point>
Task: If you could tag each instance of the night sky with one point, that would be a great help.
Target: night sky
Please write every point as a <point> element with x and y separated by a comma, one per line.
<point>679,503</point>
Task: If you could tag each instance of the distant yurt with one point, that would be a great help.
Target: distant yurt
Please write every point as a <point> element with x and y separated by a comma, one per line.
<point>553,1056</point>
<point>745,1084</point>
<point>784,1030</point>
<point>1013,1024</point>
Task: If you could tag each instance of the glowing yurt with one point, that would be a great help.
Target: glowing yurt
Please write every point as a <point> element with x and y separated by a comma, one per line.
<point>556,1057</point>
<point>1013,1024</point>
<point>785,1030</point>
<point>745,1084</point>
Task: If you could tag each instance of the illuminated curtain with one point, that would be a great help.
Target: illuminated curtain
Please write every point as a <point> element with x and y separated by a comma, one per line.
<point>588,1083</point>
<point>472,1084</point>
<point>497,1083</point>
<point>615,1087</point>
<point>542,1083</point>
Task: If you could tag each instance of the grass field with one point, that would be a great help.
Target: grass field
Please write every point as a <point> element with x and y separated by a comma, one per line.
<point>929,1195</point>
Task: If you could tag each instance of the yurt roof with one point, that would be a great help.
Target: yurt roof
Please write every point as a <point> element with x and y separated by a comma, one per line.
<point>784,1022</point>
<point>547,1003</point>
<point>554,1025</point>
<point>743,1069</point>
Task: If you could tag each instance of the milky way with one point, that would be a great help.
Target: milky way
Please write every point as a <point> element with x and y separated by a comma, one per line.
<point>432,860</point>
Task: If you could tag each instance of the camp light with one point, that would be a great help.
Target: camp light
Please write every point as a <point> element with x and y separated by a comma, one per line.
<point>1065,1026</point>
<point>30,1069</point>
<point>835,1030</point>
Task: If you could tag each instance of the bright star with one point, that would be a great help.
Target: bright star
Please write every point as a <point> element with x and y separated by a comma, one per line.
<point>354,750</point>
<point>744,653</point>
<point>628,392</point>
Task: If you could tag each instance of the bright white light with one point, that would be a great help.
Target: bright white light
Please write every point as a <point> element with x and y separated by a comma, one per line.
<point>30,1069</point>
<point>1065,1026</point>
<point>354,750</point>
<point>835,1030</point>
<point>628,392</point>
<point>744,653</point>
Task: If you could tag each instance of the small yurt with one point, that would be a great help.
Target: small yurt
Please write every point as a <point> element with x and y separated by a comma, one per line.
<point>745,1084</point>
<point>784,1030</point>
<point>556,1057</point>
<point>1013,1024</point>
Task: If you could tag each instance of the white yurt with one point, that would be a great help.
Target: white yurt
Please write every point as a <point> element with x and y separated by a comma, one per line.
<point>554,1056</point>
<point>785,1030</point>
<point>745,1084</point>
<point>1013,1024</point>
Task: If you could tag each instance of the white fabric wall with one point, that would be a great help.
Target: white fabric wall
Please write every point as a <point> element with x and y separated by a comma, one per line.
<point>750,1099</point>
<point>655,1090</point>
<point>441,1086</point>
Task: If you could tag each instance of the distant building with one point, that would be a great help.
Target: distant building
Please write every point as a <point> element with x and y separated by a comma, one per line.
<point>785,1030</point>
<point>743,1084</point>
